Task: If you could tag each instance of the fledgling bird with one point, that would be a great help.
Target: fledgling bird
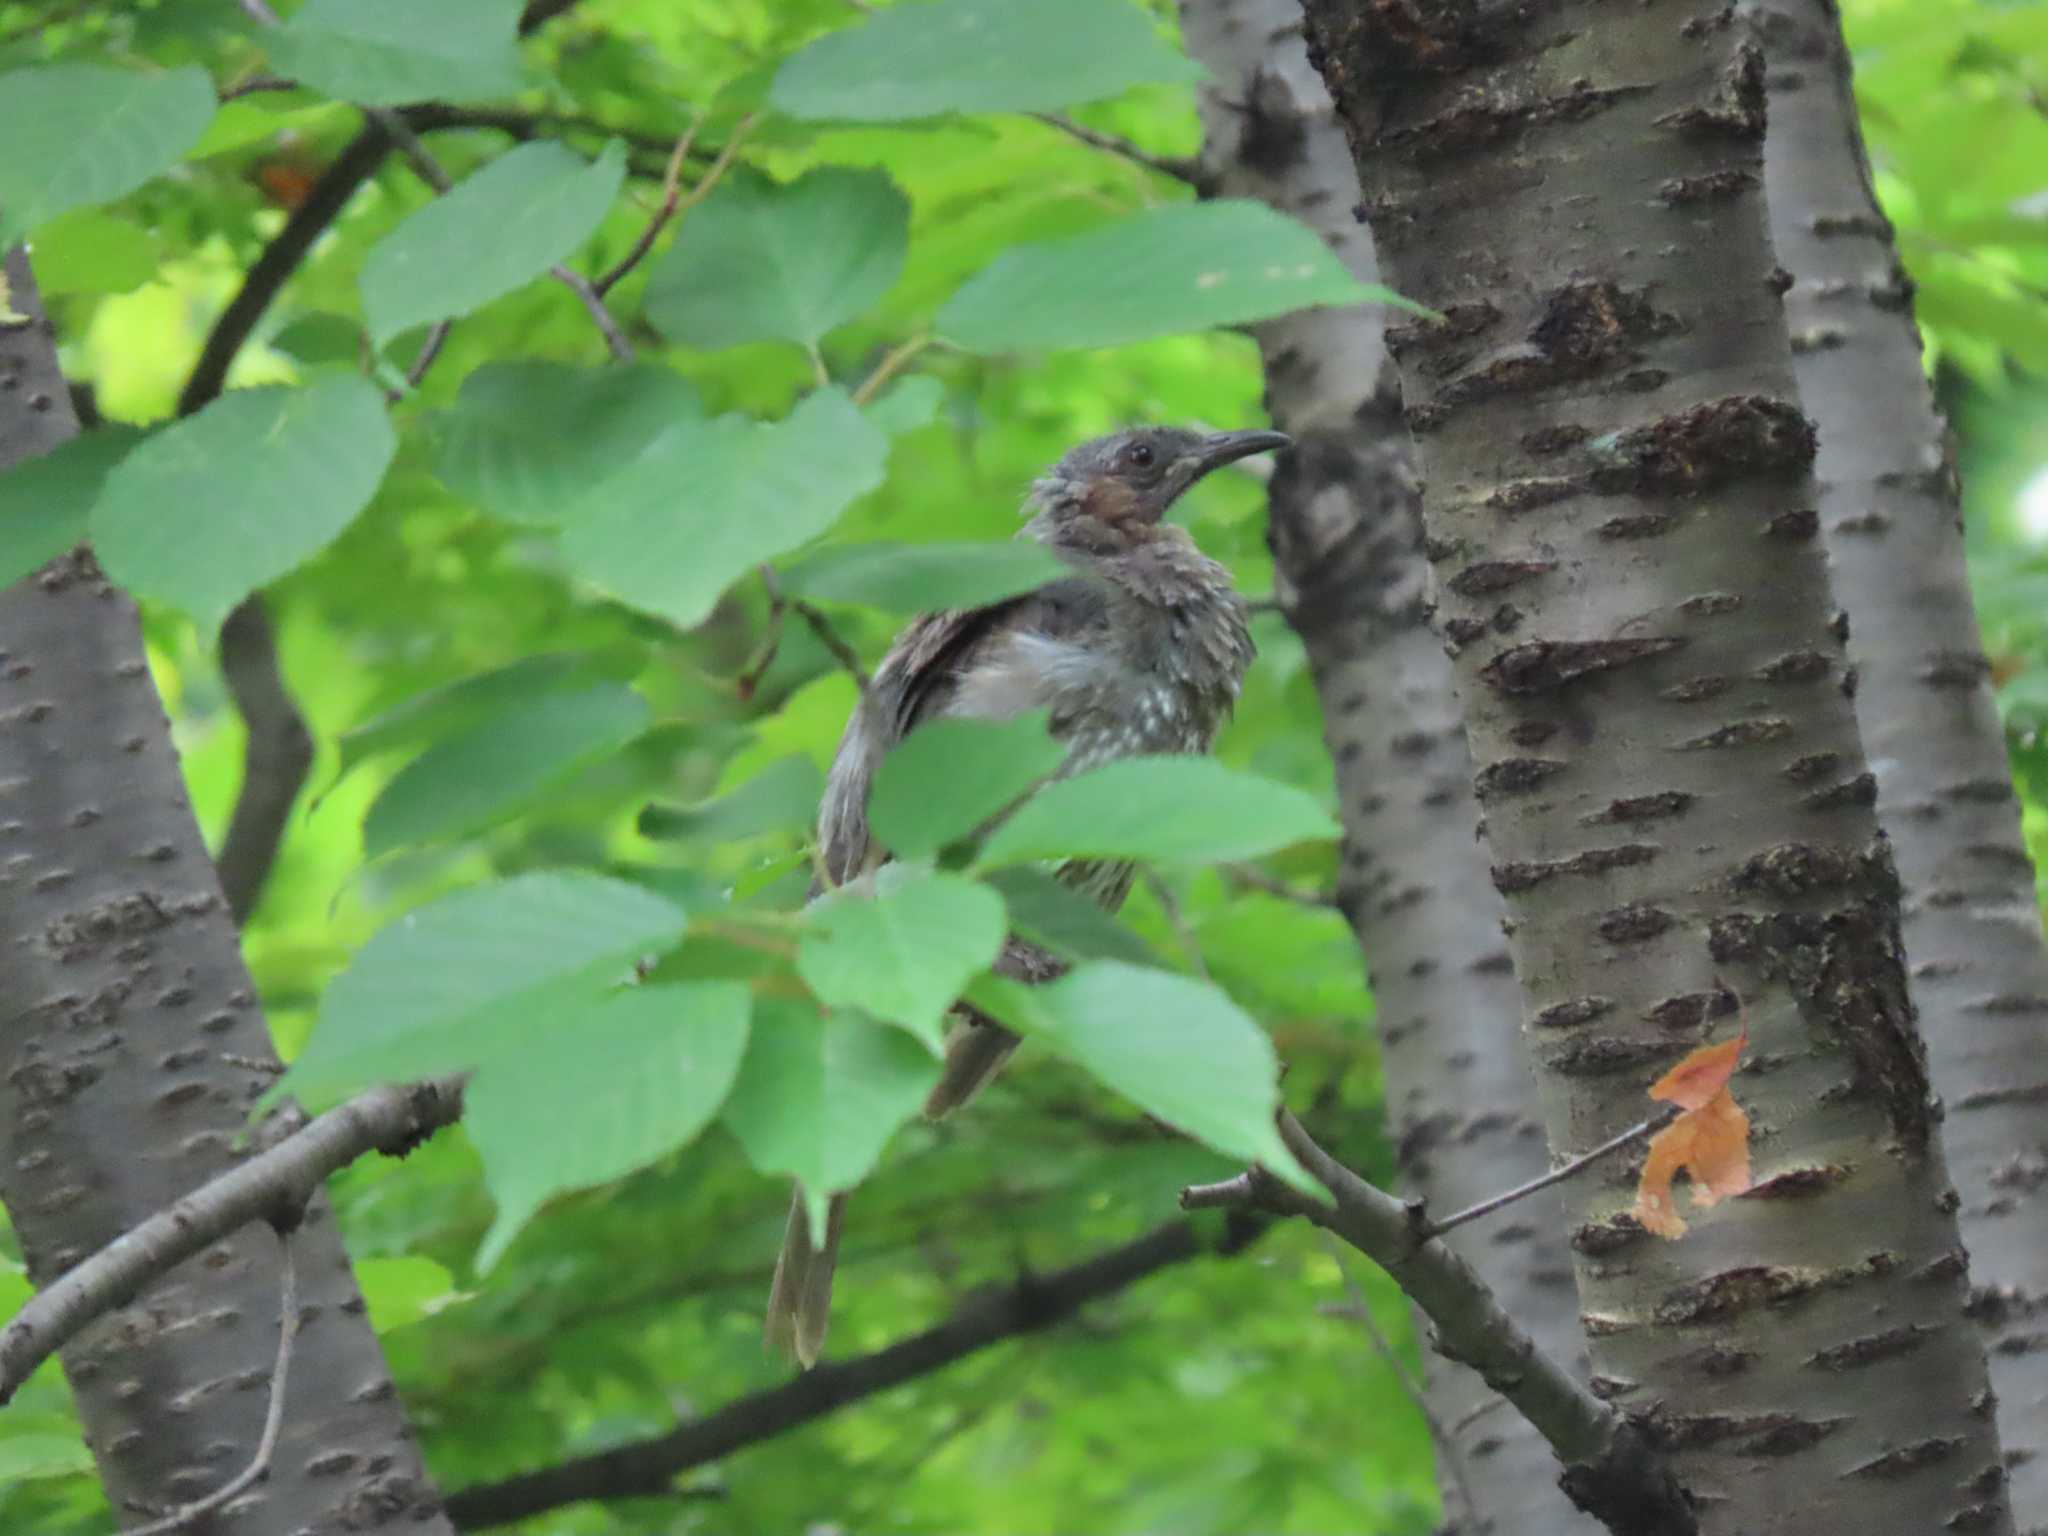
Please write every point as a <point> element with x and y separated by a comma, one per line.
<point>1141,649</point>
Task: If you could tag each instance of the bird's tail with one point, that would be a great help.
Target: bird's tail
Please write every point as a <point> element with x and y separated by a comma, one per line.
<point>800,1299</point>
<point>975,1050</point>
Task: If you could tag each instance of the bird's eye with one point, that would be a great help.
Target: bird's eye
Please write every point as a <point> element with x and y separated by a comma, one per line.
<point>1140,454</point>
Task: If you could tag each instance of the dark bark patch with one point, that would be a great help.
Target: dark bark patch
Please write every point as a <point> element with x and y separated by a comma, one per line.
<point>1795,667</point>
<point>1952,1265</point>
<point>1691,1010</point>
<point>76,934</point>
<point>1684,453</point>
<point>1719,1360</point>
<point>2010,1004</point>
<point>1273,133</point>
<point>1483,115</point>
<point>1832,226</point>
<point>1540,666</point>
<point>1577,1010</point>
<point>1794,1182</point>
<point>1817,338</point>
<point>1859,791</point>
<point>1792,870</point>
<point>1638,525</point>
<point>1740,733</point>
<point>2017,1093</point>
<point>1597,1239</point>
<point>1709,605</point>
<point>1636,809</point>
<point>1525,495</point>
<point>1769,1434</point>
<point>1545,441</point>
<point>1531,733</point>
<point>1908,1459</point>
<point>1513,877</point>
<point>1734,1292</point>
<point>1694,689</point>
<point>1713,187</point>
<point>1871,1348</point>
<point>1464,631</point>
<point>1872,523</point>
<point>1457,322</point>
<point>1635,923</point>
<point>1377,44</point>
<point>1796,524</point>
<point>1514,776</point>
<point>1979,791</point>
<point>1815,765</point>
<point>1600,1055</point>
<point>1955,669</point>
<point>1585,326</point>
<point>1736,109</point>
<point>1487,576</point>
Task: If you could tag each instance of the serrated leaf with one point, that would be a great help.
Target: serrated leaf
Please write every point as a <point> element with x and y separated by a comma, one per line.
<point>820,1095</point>
<point>710,500</point>
<point>918,578</point>
<point>782,795</point>
<point>1159,808</point>
<point>639,1076</point>
<point>45,502</point>
<point>948,777</point>
<point>171,526</point>
<point>768,261</point>
<point>1176,1047</point>
<point>907,404</point>
<point>403,1288</point>
<point>902,953</point>
<point>389,52</point>
<point>525,439</point>
<point>1183,267</point>
<point>502,765</point>
<point>497,231</point>
<point>445,986</point>
<point>79,134</point>
<point>1063,920</point>
<point>89,250</point>
<point>978,56</point>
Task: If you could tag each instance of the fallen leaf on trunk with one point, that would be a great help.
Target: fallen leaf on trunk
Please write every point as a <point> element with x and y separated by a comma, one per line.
<point>1710,1141</point>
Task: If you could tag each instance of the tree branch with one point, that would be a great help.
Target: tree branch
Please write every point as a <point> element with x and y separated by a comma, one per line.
<point>275,759</point>
<point>1610,1469</point>
<point>1187,171</point>
<point>645,1468</point>
<point>391,1118</point>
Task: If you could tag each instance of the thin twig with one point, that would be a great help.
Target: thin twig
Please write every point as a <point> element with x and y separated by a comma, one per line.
<point>891,364</point>
<point>1360,1312</point>
<point>673,202</point>
<point>830,638</point>
<point>1188,171</point>
<point>429,350</point>
<point>1492,1203</point>
<point>606,323</point>
<point>276,757</point>
<point>820,374</point>
<point>273,1416</point>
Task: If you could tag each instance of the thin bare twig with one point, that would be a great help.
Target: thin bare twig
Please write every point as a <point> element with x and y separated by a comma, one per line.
<point>429,350</point>
<point>1188,171</point>
<point>830,638</point>
<point>673,202</point>
<point>891,364</point>
<point>1492,1203</point>
<point>606,323</point>
<point>273,1416</point>
<point>276,757</point>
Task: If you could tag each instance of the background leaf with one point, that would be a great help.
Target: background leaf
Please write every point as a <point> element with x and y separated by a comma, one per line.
<point>904,952</point>
<point>920,578</point>
<point>83,133</point>
<point>390,52</point>
<point>500,229</point>
<point>46,501</point>
<point>1063,920</point>
<point>1184,267</point>
<point>917,60</point>
<point>765,261</point>
<point>948,777</point>
<point>169,526</point>
<point>782,795</point>
<point>402,1289</point>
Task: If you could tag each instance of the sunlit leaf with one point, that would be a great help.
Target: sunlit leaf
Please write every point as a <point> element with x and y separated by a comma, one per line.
<point>788,262</point>
<point>403,1288</point>
<point>497,231</point>
<point>917,578</point>
<point>903,951</point>
<point>83,133</point>
<point>388,52</point>
<point>1182,267</point>
<point>91,251</point>
<point>948,777</point>
<point>169,525</point>
<point>917,60</point>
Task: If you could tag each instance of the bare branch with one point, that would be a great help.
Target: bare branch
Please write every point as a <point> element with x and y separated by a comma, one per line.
<point>606,323</point>
<point>891,364</point>
<point>273,1416</point>
<point>1492,1203</point>
<point>275,759</point>
<point>1187,171</point>
<point>646,1468</point>
<point>392,1118</point>
<point>673,202</point>
<point>437,338</point>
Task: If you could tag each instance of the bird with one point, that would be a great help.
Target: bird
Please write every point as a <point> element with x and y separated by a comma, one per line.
<point>1140,648</point>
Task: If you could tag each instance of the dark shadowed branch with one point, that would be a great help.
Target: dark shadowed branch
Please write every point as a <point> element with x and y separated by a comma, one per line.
<point>645,1468</point>
<point>275,759</point>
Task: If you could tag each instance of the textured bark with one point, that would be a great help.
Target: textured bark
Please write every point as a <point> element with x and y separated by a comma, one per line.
<point>131,1048</point>
<point>1893,529</point>
<point>1620,520</point>
<point>1346,533</point>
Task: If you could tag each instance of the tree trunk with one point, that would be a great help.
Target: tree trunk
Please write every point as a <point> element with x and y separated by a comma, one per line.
<point>133,1048</point>
<point>1893,528</point>
<point>1346,533</point>
<point>1620,518</point>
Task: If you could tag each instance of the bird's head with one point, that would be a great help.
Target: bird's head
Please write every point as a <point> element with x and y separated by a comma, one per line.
<point>1110,490</point>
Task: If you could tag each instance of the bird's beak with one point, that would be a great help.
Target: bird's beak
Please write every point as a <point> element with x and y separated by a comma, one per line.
<point>1220,448</point>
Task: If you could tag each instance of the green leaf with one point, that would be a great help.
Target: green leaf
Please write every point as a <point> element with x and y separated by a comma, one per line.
<point>469,702</point>
<point>89,250</point>
<point>484,775</point>
<point>710,500</point>
<point>24,1458</point>
<point>765,261</point>
<point>948,777</point>
<point>79,134</point>
<point>1063,920</point>
<point>978,56</point>
<point>639,1076</point>
<point>171,525</point>
<point>1183,267</point>
<point>907,404</point>
<point>497,231</point>
<point>819,1096</point>
<point>322,336</point>
<point>445,986</point>
<point>904,952</point>
<point>527,438</point>
<point>1160,808</point>
<point>403,1289</point>
<point>781,796</point>
<point>920,578</point>
<point>45,502</point>
<point>1176,1047</point>
<point>385,53</point>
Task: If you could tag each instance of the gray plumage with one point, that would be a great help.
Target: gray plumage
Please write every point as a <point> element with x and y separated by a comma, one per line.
<point>1140,650</point>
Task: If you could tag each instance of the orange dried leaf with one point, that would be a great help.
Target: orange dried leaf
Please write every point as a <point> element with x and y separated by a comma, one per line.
<point>1701,1075</point>
<point>1710,1141</point>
